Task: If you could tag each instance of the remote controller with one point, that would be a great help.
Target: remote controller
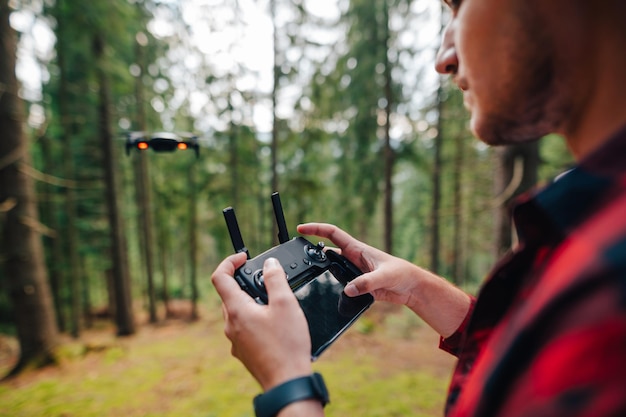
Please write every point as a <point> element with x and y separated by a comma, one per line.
<point>317,277</point>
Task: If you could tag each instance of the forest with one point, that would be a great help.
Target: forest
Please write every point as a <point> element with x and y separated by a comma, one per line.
<point>335,104</point>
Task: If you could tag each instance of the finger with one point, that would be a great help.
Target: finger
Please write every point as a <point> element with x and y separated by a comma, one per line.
<point>328,231</point>
<point>223,279</point>
<point>276,281</point>
<point>231,263</point>
<point>356,251</point>
<point>336,250</point>
<point>366,283</point>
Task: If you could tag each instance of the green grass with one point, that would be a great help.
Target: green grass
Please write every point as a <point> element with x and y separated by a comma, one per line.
<point>186,370</point>
<point>361,392</point>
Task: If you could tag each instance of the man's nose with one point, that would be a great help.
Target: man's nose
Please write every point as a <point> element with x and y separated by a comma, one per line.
<point>447,61</point>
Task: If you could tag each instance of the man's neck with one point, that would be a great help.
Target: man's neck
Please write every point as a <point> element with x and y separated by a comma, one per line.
<point>603,111</point>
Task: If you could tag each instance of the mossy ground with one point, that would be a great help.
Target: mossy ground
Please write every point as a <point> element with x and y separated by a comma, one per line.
<point>379,368</point>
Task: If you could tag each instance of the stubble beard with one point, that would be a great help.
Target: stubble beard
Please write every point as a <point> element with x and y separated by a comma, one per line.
<point>534,103</point>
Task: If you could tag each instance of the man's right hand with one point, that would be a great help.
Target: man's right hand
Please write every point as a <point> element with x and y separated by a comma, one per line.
<point>388,278</point>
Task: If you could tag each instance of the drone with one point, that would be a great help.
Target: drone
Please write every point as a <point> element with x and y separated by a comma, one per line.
<point>161,142</point>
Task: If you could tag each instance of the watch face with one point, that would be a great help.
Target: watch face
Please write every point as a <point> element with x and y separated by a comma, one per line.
<point>328,310</point>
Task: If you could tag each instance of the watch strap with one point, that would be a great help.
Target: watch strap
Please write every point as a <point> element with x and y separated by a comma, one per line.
<point>271,402</point>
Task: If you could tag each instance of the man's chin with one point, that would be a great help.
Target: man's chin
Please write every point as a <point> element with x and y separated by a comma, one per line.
<point>499,132</point>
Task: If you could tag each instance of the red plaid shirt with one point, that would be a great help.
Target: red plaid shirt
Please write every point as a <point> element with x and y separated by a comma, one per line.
<point>547,334</point>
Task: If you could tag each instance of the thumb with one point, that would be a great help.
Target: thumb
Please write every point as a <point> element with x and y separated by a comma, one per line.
<point>275,280</point>
<point>363,284</point>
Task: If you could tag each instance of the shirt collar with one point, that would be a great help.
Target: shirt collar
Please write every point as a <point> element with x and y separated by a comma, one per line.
<point>557,209</point>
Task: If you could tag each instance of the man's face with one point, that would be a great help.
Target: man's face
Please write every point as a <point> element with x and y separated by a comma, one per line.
<point>500,54</point>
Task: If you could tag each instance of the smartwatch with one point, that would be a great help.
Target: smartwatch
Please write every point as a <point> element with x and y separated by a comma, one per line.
<point>271,402</point>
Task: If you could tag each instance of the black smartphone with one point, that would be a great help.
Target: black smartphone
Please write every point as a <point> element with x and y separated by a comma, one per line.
<point>328,310</point>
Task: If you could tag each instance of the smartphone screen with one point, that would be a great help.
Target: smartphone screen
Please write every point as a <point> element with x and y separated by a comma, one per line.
<point>328,310</point>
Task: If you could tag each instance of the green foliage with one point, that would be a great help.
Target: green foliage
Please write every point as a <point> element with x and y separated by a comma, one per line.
<point>555,157</point>
<point>329,158</point>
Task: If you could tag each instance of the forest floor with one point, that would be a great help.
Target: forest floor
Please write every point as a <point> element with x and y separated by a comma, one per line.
<point>389,367</point>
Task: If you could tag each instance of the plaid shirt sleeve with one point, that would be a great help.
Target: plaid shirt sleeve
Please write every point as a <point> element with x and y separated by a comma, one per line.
<point>452,344</point>
<point>547,334</point>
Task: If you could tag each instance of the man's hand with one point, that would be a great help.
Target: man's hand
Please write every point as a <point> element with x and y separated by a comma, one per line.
<point>388,278</point>
<point>272,340</point>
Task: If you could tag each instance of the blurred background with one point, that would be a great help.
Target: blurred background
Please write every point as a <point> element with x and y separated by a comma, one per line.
<point>107,248</point>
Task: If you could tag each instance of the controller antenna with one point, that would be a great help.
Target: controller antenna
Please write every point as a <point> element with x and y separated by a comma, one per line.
<point>283,234</point>
<point>233,230</point>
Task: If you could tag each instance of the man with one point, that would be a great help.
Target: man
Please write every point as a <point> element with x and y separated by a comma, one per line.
<point>546,336</point>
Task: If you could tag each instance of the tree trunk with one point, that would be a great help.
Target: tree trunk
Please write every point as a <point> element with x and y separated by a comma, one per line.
<point>121,276</point>
<point>22,251</point>
<point>388,151</point>
<point>193,240</point>
<point>275,86</point>
<point>458,260</point>
<point>71,233</point>
<point>233,164</point>
<point>53,243</point>
<point>143,188</point>
<point>163,236</point>
<point>516,173</point>
<point>436,195</point>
